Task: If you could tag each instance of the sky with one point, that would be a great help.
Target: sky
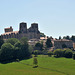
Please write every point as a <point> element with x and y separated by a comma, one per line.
<point>54,17</point>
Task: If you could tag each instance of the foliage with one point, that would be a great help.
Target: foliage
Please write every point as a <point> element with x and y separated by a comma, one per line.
<point>25,53</point>
<point>6,52</point>
<point>12,41</point>
<point>73,56</point>
<point>49,43</point>
<point>73,38</point>
<point>58,52</point>
<point>35,62</point>
<point>50,53</point>
<point>15,49</point>
<point>42,34</point>
<point>68,53</point>
<point>64,46</point>
<point>36,52</point>
<point>67,37</point>
<point>63,53</point>
<point>24,40</point>
<point>39,45</point>
<point>59,37</point>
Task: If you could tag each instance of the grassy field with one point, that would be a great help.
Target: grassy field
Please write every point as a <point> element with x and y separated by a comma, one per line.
<point>47,66</point>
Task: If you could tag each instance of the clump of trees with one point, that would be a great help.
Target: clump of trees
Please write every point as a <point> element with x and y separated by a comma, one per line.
<point>70,38</point>
<point>63,53</point>
<point>14,49</point>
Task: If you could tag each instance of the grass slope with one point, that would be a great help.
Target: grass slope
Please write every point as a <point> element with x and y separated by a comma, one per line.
<point>47,66</point>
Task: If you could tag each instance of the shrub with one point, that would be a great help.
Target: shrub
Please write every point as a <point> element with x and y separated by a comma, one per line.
<point>50,53</point>
<point>58,52</point>
<point>36,52</point>
<point>73,56</point>
<point>68,53</point>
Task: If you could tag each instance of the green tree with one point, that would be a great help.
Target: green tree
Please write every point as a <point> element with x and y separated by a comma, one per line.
<point>49,43</point>
<point>39,45</point>
<point>73,38</point>
<point>12,41</point>
<point>64,46</point>
<point>35,62</point>
<point>25,52</point>
<point>6,52</point>
<point>17,51</point>
<point>42,34</point>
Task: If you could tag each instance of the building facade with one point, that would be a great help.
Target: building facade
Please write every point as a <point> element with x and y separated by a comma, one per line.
<point>58,44</point>
<point>31,33</point>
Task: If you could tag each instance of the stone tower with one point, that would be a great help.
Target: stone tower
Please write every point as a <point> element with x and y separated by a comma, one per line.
<point>34,26</point>
<point>23,28</point>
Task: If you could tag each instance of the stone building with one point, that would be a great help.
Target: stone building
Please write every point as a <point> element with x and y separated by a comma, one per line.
<point>31,33</point>
<point>58,44</point>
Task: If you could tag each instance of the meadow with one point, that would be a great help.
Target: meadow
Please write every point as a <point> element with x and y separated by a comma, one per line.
<point>46,66</point>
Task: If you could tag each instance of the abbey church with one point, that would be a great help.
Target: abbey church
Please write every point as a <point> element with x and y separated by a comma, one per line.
<point>31,33</point>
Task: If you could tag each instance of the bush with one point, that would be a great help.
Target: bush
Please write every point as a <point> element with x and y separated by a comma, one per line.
<point>12,41</point>
<point>73,56</point>
<point>50,53</point>
<point>58,52</point>
<point>36,52</point>
<point>68,53</point>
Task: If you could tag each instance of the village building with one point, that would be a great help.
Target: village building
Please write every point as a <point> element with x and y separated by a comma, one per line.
<point>62,43</point>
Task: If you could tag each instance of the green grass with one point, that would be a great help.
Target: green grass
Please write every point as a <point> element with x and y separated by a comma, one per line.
<point>47,66</point>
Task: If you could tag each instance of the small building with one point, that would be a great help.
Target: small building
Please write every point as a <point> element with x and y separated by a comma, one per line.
<point>58,44</point>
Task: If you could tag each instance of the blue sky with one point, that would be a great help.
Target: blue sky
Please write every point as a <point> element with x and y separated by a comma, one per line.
<point>55,17</point>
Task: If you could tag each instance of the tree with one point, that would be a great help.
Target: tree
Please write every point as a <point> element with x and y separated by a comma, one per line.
<point>39,46</point>
<point>17,51</point>
<point>6,52</point>
<point>35,62</point>
<point>49,43</point>
<point>73,56</point>
<point>64,46</point>
<point>73,38</point>
<point>42,34</point>
<point>36,53</point>
<point>59,37</point>
<point>66,37</point>
<point>12,41</point>
<point>25,52</point>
